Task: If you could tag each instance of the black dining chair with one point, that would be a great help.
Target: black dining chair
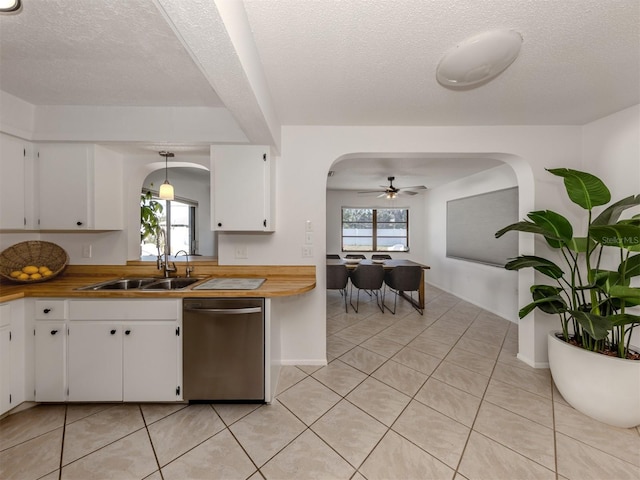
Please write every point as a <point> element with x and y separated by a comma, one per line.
<point>355,255</point>
<point>403,278</point>
<point>333,256</point>
<point>380,256</point>
<point>369,278</point>
<point>337,278</point>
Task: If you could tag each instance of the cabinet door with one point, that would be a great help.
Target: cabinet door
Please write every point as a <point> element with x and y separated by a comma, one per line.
<point>64,180</point>
<point>95,361</point>
<point>150,362</point>
<point>241,179</point>
<point>5,369</point>
<point>50,361</point>
<point>12,183</point>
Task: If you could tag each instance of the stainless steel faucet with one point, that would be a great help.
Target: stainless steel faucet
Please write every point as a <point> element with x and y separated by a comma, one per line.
<point>163,264</point>
<point>188,269</point>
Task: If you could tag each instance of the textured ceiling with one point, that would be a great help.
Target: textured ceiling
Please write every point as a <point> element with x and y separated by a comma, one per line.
<point>332,62</point>
<point>94,52</point>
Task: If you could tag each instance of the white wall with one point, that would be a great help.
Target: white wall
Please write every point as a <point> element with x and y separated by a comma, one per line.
<point>336,199</point>
<point>490,287</point>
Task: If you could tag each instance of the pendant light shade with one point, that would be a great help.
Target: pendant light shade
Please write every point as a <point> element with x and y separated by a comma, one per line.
<point>166,189</point>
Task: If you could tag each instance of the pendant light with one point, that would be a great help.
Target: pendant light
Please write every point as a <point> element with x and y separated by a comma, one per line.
<point>166,189</point>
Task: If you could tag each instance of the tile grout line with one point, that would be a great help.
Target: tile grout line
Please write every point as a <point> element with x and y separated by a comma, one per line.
<point>64,430</point>
<point>153,448</point>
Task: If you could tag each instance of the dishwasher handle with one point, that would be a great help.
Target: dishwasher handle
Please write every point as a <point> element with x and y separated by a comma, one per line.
<point>226,311</point>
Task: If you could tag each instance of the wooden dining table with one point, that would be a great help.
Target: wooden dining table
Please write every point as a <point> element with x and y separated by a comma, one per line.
<point>388,265</point>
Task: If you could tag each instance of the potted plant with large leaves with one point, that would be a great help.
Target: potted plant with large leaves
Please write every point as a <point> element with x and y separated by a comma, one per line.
<point>591,360</point>
<point>150,218</point>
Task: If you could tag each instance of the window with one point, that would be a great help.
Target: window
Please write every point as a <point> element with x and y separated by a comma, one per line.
<point>180,215</point>
<point>375,229</point>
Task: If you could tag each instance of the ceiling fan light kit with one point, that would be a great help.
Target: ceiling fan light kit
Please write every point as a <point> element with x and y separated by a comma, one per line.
<point>391,192</point>
<point>10,6</point>
<point>478,59</point>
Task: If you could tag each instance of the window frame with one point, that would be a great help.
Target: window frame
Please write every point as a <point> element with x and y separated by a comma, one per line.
<point>374,229</point>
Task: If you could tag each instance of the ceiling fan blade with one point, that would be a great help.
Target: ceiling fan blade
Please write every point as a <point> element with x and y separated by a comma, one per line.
<point>406,192</point>
<point>417,187</point>
<point>368,192</point>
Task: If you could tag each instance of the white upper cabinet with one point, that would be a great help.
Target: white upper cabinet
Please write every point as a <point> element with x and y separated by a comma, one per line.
<point>80,187</point>
<point>242,178</point>
<point>13,186</point>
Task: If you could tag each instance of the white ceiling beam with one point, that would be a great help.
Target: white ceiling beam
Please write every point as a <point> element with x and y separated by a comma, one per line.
<point>217,36</point>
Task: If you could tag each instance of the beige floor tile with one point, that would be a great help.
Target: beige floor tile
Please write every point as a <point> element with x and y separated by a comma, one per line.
<point>309,369</point>
<point>309,400</point>
<point>397,458</point>
<point>265,431</point>
<point>445,337</point>
<point>356,333</point>
<point>30,423</point>
<point>420,361</point>
<point>532,380</point>
<point>363,359</point>
<point>451,401</point>
<point>398,334</point>
<point>529,405</point>
<point>96,431</point>
<point>379,400</point>
<point>418,424</point>
<point>289,376</point>
<point>528,438</point>
<point>479,348</point>
<point>400,377</point>
<point>130,458</point>
<point>232,412</point>
<point>294,462</point>
<point>78,411</point>
<point>349,431</point>
<point>218,457</point>
<point>485,459</point>
<point>336,346</point>
<point>154,476</point>
<point>461,378</point>
<point>382,346</point>
<point>56,475</point>
<point>482,334</point>
<point>174,435</point>
<point>623,443</point>
<point>153,412</point>
<point>578,461</point>
<point>430,346</point>
<point>33,458</point>
<point>339,377</point>
<point>471,361</point>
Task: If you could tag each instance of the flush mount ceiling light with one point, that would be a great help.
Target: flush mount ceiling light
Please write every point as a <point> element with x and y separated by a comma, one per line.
<point>10,6</point>
<point>479,58</point>
<point>166,189</point>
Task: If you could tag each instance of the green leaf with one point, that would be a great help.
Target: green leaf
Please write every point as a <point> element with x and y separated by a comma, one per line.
<point>553,304</point>
<point>527,227</point>
<point>630,267</point>
<point>611,214</point>
<point>624,319</point>
<point>622,292</point>
<point>553,222</point>
<point>583,189</point>
<point>542,265</point>
<point>618,235</point>
<point>596,326</point>
<point>578,244</point>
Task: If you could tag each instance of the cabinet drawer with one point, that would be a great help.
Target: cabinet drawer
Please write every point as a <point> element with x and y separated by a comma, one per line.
<point>134,309</point>
<point>51,309</point>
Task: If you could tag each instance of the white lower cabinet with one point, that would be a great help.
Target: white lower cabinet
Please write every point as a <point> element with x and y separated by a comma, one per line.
<point>109,351</point>
<point>51,364</point>
<point>12,355</point>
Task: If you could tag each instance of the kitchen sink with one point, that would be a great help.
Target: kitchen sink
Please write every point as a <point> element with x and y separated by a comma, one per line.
<point>151,283</point>
<point>170,284</point>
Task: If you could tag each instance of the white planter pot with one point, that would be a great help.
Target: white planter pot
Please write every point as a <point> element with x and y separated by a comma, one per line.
<point>602,387</point>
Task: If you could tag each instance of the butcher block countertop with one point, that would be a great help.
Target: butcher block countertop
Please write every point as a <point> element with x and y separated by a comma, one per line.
<point>280,281</point>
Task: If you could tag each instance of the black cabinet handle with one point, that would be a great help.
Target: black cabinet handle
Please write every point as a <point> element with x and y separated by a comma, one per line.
<point>46,310</point>
<point>113,332</point>
<point>79,223</point>
<point>127,332</point>
<point>53,332</point>
<point>219,224</point>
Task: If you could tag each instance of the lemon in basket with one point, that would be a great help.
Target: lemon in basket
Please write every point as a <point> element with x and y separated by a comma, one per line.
<point>35,276</point>
<point>16,273</point>
<point>29,269</point>
<point>23,276</point>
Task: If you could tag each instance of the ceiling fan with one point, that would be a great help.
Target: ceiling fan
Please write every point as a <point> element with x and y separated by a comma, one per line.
<point>392,192</point>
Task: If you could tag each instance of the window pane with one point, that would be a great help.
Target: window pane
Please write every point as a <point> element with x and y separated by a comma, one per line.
<point>357,215</point>
<point>392,215</point>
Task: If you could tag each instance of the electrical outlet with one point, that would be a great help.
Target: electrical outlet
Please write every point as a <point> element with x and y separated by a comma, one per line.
<point>307,252</point>
<point>242,251</point>
<point>308,227</point>
<point>86,250</point>
<point>308,238</point>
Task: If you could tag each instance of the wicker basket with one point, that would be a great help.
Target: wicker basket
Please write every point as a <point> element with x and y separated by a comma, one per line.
<point>33,252</point>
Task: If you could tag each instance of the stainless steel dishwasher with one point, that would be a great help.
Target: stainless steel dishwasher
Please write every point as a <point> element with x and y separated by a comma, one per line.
<point>223,349</point>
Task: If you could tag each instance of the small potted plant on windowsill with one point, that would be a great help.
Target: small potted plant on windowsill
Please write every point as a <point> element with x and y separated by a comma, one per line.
<point>591,360</point>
